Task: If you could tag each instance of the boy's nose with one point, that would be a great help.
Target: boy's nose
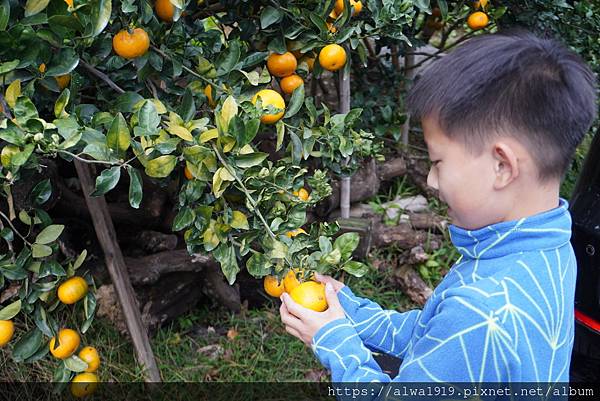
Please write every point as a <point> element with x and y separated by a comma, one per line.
<point>432,179</point>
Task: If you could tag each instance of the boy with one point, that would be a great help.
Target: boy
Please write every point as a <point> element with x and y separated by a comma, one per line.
<point>502,115</point>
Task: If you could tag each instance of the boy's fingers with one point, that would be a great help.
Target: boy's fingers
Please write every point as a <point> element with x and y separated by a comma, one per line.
<point>288,318</point>
<point>332,299</point>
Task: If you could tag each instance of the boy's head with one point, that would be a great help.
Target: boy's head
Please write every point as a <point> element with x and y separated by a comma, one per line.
<point>503,114</point>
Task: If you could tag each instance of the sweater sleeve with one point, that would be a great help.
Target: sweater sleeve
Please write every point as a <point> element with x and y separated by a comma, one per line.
<point>387,331</point>
<point>461,343</point>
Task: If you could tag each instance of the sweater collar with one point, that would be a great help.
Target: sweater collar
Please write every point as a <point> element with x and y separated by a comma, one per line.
<point>545,230</point>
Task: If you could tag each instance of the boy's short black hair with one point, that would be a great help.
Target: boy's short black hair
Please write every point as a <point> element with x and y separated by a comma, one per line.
<point>514,84</point>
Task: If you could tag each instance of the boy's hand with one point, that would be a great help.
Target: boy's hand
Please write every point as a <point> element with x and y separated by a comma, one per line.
<point>304,323</point>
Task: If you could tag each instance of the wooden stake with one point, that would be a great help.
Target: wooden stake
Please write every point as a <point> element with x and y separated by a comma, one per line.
<point>344,85</point>
<point>107,236</point>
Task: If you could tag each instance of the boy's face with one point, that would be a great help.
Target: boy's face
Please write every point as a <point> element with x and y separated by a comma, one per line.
<point>464,182</point>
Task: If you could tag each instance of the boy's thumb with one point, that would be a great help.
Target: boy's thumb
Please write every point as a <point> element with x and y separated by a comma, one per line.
<point>331,296</point>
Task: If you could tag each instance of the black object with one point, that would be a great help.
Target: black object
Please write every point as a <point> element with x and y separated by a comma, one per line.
<point>585,210</point>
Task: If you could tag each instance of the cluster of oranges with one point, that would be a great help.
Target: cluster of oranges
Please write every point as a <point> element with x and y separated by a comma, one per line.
<point>308,293</point>
<point>69,292</point>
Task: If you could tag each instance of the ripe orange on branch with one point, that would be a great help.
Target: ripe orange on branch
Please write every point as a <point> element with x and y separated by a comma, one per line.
<point>302,194</point>
<point>270,97</point>
<point>165,10</point>
<point>339,7</point>
<point>281,65</point>
<point>289,83</point>
<point>69,342</point>
<point>63,80</point>
<point>273,287</point>
<point>7,329</point>
<point>478,20</point>
<point>131,45</point>
<point>90,356</point>
<point>84,384</point>
<point>332,57</point>
<point>72,290</point>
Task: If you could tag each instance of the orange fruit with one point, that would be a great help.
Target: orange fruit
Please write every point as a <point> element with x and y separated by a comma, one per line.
<point>270,97</point>
<point>208,93</point>
<point>478,20</point>
<point>165,10</point>
<point>72,290</point>
<point>332,57</point>
<point>90,356</point>
<point>69,3</point>
<point>480,4</point>
<point>84,384</point>
<point>302,194</point>
<point>293,233</point>
<point>289,83</point>
<point>273,287</point>
<point>187,173</point>
<point>333,15</point>
<point>311,295</point>
<point>330,27</point>
<point>69,342</point>
<point>42,68</point>
<point>282,65</point>
<point>7,329</point>
<point>131,45</point>
<point>63,80</point>
<point>339,7</point>
<point>290,280</point>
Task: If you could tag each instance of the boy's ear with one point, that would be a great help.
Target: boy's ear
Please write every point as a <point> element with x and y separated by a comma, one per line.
<point>506,164</point>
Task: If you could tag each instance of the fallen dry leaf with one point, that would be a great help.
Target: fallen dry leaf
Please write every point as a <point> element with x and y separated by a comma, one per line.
<point>232,333</point>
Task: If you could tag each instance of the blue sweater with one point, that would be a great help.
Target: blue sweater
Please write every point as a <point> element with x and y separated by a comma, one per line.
<point>503,313</point>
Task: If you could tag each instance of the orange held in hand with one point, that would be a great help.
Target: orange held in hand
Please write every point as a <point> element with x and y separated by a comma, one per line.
<point>478,20</point>
<point>165,10</point>
<point>332,57</point>
<point>282,65</point>
<point>273,287</point>
<point>311,295</point>
<point>72,290</point>
<point>131,45</point>
<point>289,83</point>
<point>270,97</point>
<point>69,342</point>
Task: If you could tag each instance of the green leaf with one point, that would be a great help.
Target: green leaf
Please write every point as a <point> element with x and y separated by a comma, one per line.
<point>10,310</point>
<point>41,251</point>
<point>135,187</point>
<point>107,180</point>
<point>208,135</point>
<point>33,7</point>
<point>184,219</point>
<point>161,166</point>
<point>269,16</point>
<point>187,109</point>
<point>347,243</point>
<point>225,254</point>
<point>295,102</point>
<point>280,134</point>
<point>49,234</point>
<point>239,220</point>
<point>27,345</point>
<point>75,364</point>
<point>127,101</point>
<point>101,10</point>
<point>4,14</point>
<point>80,259</point>
<point>7,234</point>
<point>61,103</point>
<point>228,59</point>
<point>251,159</point>
<point>296,148</point>
<point>148,118</point>
<point>258,265</point>
<point>333,257</point>
<point>118,137</point>
<point>325,244</point>
<point>8,66</point>
<point>68,60</point>
<point>71,141</point>
<point>41,192</point>
<point>40,318</point>
<point>181,132</point>
<point>357,269</point>
<point>228,111</point>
